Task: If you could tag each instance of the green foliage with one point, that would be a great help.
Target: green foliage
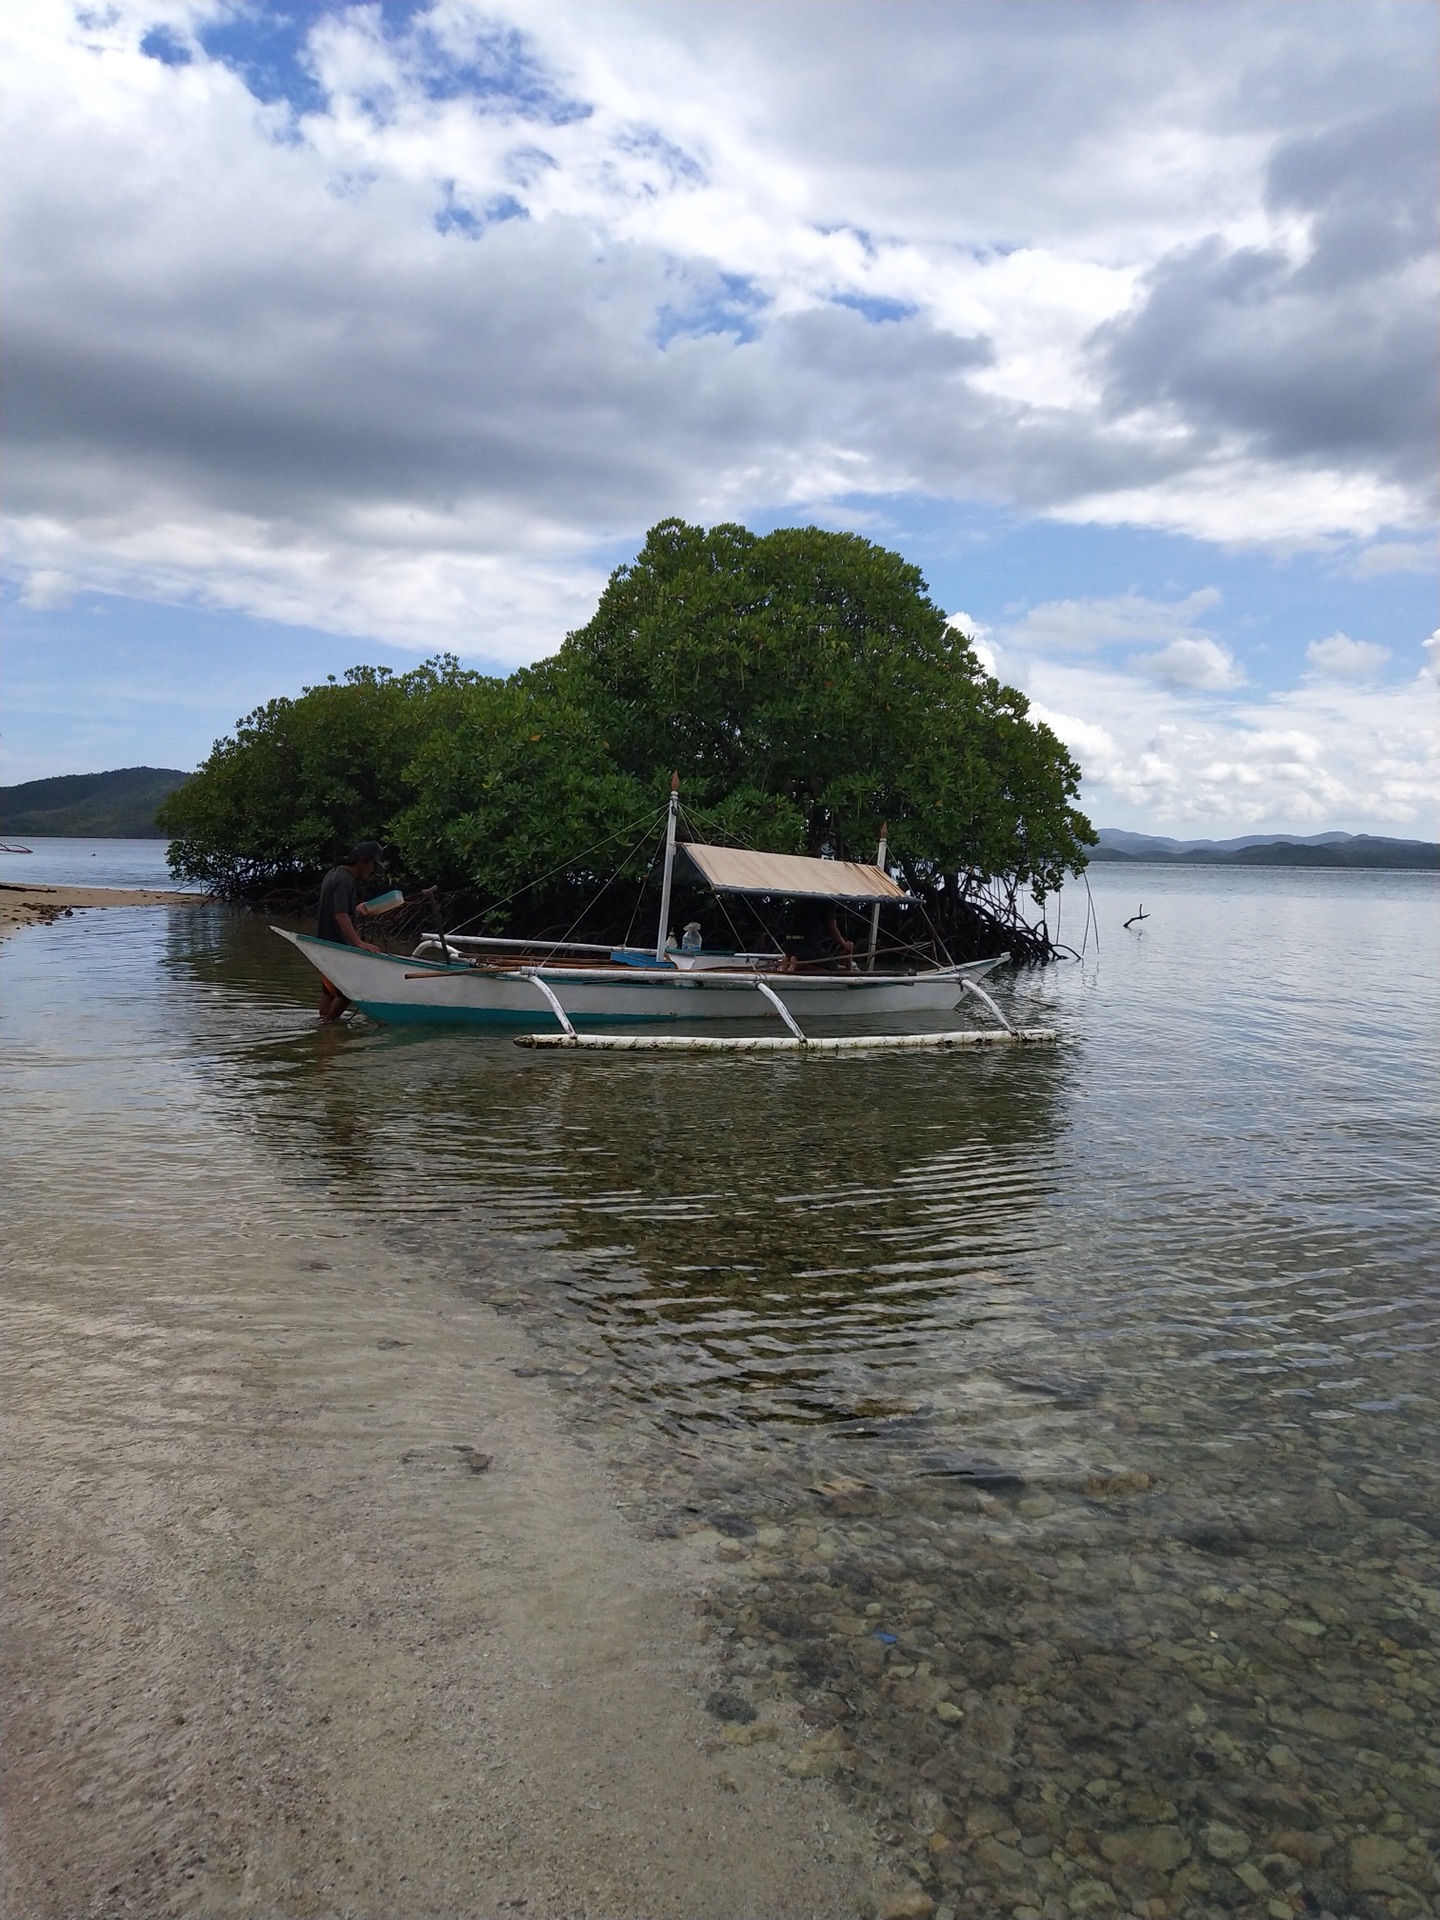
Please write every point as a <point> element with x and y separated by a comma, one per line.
<point>803,684</point>
<point>807,687</point>
<point>520,786</point>
<point>303,780</point>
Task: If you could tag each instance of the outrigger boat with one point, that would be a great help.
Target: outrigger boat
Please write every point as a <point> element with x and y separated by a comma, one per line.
<point>569,985</point>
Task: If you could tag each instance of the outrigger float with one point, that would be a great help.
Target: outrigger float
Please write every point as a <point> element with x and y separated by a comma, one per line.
<point>488,981</point>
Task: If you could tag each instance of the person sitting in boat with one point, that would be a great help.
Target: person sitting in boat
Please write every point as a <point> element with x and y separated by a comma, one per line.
<point>820,939</point>
<point>339,907</point>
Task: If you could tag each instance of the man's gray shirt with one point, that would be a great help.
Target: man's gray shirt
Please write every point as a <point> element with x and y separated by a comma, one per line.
<point>338,894</point>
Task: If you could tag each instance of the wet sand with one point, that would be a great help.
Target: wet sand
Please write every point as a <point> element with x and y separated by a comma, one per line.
<point>25,906</point>
<point>274,1647</point>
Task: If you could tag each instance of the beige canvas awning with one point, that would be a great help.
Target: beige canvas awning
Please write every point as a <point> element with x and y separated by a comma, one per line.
<point>735,870</point>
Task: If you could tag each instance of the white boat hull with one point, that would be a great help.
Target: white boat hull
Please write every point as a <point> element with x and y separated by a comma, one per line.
<point>394,989</point>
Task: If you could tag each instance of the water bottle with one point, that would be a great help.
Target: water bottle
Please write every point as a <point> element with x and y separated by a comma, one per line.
<point>690,939</point>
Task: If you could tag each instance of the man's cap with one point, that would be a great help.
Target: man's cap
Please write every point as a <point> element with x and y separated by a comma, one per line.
<point>368,850</point>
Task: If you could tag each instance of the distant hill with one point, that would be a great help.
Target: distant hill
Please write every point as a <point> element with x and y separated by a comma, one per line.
<point>1267,850</point>
<point>119,805</point>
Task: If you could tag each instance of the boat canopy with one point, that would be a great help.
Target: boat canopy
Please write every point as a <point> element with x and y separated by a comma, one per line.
<point>736,870</point>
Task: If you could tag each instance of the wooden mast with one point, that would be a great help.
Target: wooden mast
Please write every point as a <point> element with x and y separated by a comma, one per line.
<point>880,852</point>
<point>664,927</point>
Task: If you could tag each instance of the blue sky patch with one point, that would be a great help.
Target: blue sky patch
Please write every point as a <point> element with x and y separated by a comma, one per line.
<point>266,47</point>
<point>524,165</point>
<point>731,303</point>
<point>165,45</point>
<point>163,682</point>
<point>875,309</point>
<point>455,217</point>
<point>865,239</point>
<point>651,144</point>
<point>503,72</point>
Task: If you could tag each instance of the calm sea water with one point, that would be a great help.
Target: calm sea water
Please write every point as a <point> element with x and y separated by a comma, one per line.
<point>1061,1426</point>
<point>56,862</point>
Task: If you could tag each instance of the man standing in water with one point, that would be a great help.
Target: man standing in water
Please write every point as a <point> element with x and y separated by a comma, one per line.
<point>339,905</point>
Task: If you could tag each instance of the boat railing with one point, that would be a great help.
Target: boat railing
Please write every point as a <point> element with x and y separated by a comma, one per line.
<point>480,942</point>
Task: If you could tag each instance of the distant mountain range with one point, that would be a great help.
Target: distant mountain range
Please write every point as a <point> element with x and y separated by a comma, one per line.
<point>119,805</point>
<point>1267,850</point>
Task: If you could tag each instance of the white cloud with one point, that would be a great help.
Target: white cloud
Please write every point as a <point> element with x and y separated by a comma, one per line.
<point>1170,739</point>
<point>385,583</point>
<point>1234,500</point>
<point>46,588</point>
<point>1395,556</point>
<point>1082,626</point>
<point>1202,664</point>
<point>402,361</point>
<point>1311,758</point>
<point>1182,655</point>
<point>1338,657</point>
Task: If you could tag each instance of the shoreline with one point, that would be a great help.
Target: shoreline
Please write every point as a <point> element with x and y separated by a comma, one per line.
<point>273,1644</point>
<point>23,905</point>
<point>300,1659</point>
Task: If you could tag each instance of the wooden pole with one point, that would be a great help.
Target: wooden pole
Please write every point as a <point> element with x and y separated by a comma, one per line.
<point>664,927</point>
<point>880,853</point>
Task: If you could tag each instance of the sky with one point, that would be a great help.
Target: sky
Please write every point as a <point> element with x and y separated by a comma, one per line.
<point>342,333</point>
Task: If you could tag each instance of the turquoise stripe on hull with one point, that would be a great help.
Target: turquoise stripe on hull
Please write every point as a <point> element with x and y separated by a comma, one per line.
<point>392,1013</point>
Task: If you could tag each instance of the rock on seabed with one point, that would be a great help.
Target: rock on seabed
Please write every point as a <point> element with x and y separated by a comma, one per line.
<point>1375,1861</point>
<point>1154,1849</point>
<point>1224,1842</point>
<point>913,1905</point>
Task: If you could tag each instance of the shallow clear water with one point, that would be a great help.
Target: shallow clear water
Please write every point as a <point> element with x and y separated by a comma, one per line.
<point>1063,1424</point>
<point>56,862</point>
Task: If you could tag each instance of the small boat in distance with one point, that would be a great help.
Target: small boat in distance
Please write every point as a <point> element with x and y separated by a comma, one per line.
<point>490,981</point>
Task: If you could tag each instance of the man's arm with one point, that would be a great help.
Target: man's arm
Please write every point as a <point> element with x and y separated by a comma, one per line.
<point>349,935</point>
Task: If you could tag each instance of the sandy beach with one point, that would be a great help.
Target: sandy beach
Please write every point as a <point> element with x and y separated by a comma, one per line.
<point>26,906</point>
<point>314,1606</point>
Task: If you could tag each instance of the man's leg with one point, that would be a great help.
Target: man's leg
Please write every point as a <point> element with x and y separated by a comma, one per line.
<point>332,1002</point>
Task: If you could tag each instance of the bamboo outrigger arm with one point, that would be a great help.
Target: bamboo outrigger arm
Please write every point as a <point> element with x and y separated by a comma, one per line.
<point>781,1008</point>
<point>567,1028</point>
<point>554,999</point>
<point>968,985</point>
